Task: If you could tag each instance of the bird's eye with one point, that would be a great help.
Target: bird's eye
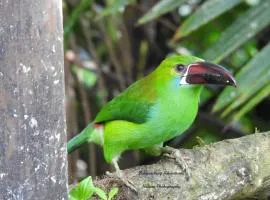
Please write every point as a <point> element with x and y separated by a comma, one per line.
<point>179,67</point>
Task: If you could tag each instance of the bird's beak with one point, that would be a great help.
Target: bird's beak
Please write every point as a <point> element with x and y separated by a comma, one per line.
<point>207,73</point>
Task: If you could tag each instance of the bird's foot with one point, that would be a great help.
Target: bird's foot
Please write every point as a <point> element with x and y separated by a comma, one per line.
<point>176,154</point>
<point>118,174</point>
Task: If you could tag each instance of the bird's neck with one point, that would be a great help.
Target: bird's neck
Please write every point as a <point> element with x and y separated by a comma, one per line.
<point>172,88</point>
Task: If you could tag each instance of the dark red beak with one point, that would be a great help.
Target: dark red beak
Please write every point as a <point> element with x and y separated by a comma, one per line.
<point>207,73</point>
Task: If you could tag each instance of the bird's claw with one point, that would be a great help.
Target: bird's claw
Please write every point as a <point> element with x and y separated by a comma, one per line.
<point>175,154</point>
<point>119,175</point>
<point>110,174</point>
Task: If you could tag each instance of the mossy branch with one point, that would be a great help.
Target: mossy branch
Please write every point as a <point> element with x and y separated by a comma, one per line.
<point>230,169</point>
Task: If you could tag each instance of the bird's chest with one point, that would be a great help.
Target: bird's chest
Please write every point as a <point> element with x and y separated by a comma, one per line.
<point>173,114</point>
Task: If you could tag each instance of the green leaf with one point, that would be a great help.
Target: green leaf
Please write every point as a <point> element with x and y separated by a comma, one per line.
<point>82,191</point>
<point>76,14</point>
<point>201,136</point>
<point>244,28</point>
<point>206,95</point>
<point>208,11</point>
<point>159,9</point>
<point>265,92</point>
<point>85,76</point>
<point>251,78</point>
<point>100,193</point>
<point>113,193</point>
<point>115,6</point>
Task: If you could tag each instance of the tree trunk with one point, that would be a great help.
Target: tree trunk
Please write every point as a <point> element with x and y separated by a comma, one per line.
<point>32,121</point>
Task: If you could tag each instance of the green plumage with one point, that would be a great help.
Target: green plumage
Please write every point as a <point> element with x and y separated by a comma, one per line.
<point>149,112</point>
<point>132,105</point>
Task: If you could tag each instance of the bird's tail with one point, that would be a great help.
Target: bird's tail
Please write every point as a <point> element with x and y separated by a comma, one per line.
<point>81,138</point>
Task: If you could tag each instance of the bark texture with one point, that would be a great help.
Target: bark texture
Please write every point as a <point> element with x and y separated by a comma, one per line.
<point>32,118</point>
<point>230,169</point>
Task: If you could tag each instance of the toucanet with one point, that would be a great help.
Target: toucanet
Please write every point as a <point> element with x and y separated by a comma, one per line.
<point>153,110</point>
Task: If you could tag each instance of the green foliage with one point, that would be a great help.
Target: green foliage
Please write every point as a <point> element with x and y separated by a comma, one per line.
<point>208,11</point>
<point>85,76</point>
<point>113,192</point>
<point>115,6</point>
<point>201,137</point>
<point>82,191</point>
<point>100,193</point>
<point>252,78</point>
<point>86,189</point>
<point>160,8</point>
<point>74,16</point>
<point>244,28</point>
<point>263,93</point>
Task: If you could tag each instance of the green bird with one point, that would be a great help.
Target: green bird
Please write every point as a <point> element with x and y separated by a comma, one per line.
<point>153,110</point>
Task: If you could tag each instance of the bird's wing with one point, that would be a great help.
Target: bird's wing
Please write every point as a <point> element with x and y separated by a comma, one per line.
<point>132,105</point>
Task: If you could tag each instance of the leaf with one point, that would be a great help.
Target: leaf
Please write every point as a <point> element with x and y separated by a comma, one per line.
<point>208,11</point>
<point>76,14</point>
<point>159,9</point>
<point>244,28</point>
<point>200,137</point>
<point>113,193</point>
<point>251,78</point>
<point>253,102</point>
<point>115,6</point>
<point>100,193</point>
<point>82,191</point>
<point>85,76</point>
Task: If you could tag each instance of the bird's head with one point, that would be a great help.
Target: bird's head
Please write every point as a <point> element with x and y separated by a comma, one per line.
<point>190,70</point>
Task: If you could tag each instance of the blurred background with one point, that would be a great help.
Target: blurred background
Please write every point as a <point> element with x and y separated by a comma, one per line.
<point>109,44</point>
